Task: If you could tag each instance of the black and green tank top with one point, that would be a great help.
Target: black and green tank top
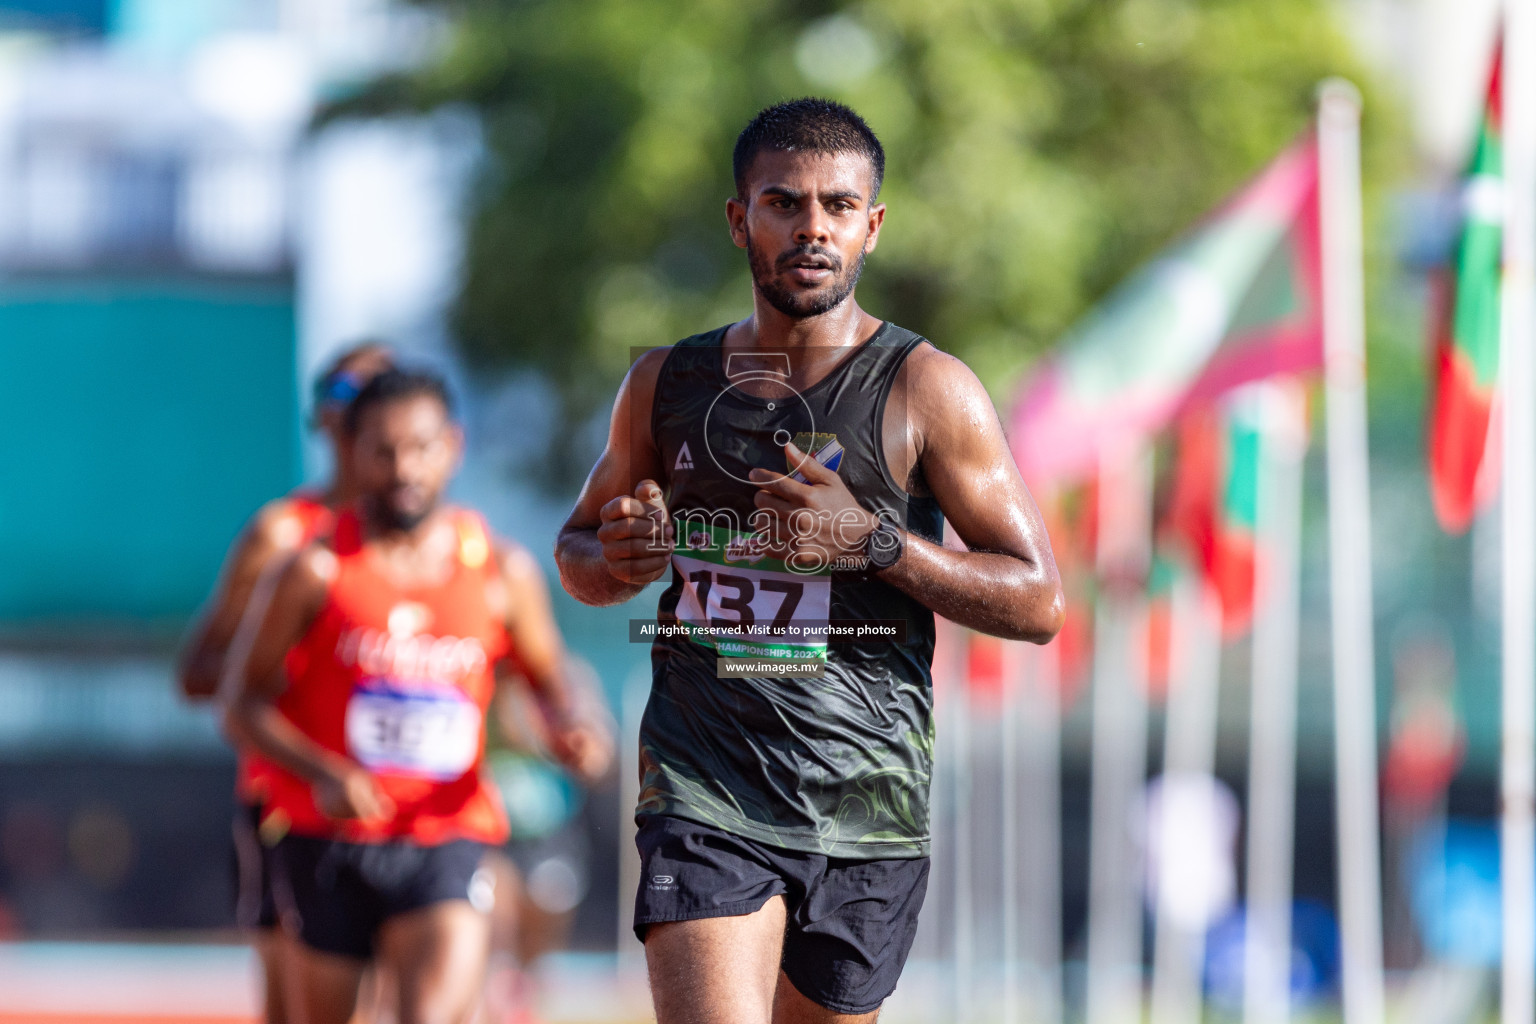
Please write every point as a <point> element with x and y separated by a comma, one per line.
<point>838,764</point>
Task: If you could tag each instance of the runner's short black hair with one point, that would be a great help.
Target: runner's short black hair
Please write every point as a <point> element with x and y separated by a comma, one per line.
<point>393,385</point>
<point>808,125</point>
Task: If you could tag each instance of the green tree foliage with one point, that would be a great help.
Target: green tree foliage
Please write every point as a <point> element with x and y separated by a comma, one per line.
<point>1037,150</point>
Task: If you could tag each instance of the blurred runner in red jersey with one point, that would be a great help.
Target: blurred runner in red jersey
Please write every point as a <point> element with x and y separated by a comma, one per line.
<point>280,528</point>
<point>367,684</point>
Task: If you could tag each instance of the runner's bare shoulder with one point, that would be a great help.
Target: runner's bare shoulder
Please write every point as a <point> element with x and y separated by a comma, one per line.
<point>945,398</point>
<point>280,524</point>
<point>273,529</point>
<point>639,387</point>
<point>942,398</point>
<point>309,574</point>
<point>518,574</point>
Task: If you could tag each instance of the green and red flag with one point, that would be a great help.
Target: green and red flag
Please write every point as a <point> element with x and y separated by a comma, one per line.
<point>1213,510</point>
<point>1237,300</point>
<point>1462,476</point>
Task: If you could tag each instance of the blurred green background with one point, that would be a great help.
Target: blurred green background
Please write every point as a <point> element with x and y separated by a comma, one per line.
<point>1037,151</point>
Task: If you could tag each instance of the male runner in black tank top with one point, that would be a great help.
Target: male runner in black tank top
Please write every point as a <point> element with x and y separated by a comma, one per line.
<point>793,471</point>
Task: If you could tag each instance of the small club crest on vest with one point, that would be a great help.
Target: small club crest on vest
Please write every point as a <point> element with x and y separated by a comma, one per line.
<point>824,448</point>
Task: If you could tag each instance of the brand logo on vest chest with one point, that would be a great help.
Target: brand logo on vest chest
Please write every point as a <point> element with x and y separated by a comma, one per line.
<point>414,656</point>
<point>409,618</point>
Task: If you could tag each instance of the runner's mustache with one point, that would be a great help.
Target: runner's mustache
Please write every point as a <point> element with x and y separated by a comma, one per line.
<point>810,250</point>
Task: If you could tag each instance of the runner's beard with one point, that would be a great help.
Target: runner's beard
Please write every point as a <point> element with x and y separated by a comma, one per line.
<point>793,301</point>
<point>391,519</point>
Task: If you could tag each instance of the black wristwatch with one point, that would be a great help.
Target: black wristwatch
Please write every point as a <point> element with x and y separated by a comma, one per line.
<point>884,545</point>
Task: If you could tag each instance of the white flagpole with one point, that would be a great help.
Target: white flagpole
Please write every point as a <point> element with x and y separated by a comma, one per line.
<point>965,919</point>
<point>1010,723</point>
<point>1516,366</point>
<point>1040,842</point>
<point>1189,761</point>
<point>936,925</point>
<point>636,691</point>
<point>1272,733</point>
<point>1119,748</point>
<point>1349,543</point>
<point>950,812</point>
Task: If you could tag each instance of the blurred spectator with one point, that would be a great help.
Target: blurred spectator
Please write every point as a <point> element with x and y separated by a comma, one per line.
<point>1424,750</point>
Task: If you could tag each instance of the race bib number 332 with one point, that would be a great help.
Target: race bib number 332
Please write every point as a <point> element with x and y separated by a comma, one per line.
<point>430,732</point>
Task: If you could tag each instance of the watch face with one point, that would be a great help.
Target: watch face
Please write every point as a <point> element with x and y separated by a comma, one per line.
<point>884,547</point>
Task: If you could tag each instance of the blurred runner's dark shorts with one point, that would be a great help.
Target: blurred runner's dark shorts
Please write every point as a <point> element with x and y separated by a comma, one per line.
<point>254,905</point>
<point>334,896</point>
<point>850,922</point>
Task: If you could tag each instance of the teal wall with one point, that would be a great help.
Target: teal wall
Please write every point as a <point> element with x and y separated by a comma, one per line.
<point>88,16</point>
<point>140,425</point>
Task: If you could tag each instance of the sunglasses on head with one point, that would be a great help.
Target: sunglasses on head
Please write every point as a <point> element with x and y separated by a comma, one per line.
<point>336,390</point>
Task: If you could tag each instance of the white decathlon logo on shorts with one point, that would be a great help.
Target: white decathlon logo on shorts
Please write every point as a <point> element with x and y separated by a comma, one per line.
<point>424,730</point>
<point>482,890</point>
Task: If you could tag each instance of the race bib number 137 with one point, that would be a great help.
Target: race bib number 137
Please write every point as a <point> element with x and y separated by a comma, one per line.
<point>745,604</point>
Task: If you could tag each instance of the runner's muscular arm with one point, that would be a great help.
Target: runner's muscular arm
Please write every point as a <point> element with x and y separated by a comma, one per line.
<point>263,541</point>
<point>1006,584</point>
<point>618,538</point>
<point>539,653</point>
<point>343,788</point>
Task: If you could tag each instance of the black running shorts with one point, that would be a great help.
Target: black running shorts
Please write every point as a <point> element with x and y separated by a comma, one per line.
<point>851,922</point>
<point>335,896</point>
<point>254,906</point>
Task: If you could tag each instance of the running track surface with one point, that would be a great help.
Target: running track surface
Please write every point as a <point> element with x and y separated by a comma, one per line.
<point>122,983</point>
<point>119,1018</point>
<point>215,983</point>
